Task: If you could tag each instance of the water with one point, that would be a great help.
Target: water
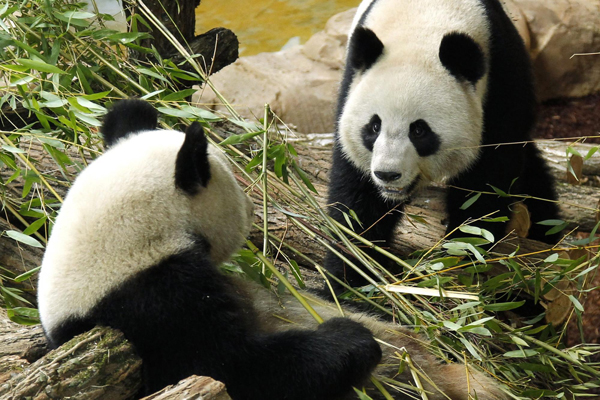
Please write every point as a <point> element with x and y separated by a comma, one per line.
<point>267,25</point>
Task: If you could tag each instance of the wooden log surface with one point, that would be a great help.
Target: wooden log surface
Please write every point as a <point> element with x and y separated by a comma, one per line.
<point>98,364</point>
<point>192,388</point>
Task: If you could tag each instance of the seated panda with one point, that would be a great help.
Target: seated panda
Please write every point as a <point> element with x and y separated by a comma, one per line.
<point>136,246</point>
<point>435,91</point>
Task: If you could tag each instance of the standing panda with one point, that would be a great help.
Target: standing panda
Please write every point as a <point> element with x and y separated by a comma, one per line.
<point>136,246</point>
<point>429,90</point>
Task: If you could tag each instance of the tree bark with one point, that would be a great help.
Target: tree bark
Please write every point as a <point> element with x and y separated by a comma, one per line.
<point>98,364</point>
<point>193,388</point>
<point>217,48</point>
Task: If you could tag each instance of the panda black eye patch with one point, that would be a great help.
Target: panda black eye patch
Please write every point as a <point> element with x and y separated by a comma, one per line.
<point>426,141</point>
<point>370,132</point>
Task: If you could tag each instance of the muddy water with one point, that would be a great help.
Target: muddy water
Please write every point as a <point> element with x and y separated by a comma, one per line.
<point>267,25</point>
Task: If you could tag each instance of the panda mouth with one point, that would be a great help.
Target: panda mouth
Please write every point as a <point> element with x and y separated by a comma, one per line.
<point>400,193</point>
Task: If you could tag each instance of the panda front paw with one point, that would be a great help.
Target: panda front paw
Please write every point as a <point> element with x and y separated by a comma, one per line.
<point>353,345</point>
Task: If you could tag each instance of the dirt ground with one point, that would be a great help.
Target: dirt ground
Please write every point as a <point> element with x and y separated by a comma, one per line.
<point>571,117</point>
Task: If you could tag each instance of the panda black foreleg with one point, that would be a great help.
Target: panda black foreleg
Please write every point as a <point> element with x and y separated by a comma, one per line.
<point>538,182</point>
<point>516,170</point>
<point>351,189</point>
<point>499,168</point>
<point>321,364</point>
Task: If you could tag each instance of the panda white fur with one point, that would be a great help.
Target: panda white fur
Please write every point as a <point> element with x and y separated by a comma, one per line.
<point>428,86</point>
<point>136,246</point>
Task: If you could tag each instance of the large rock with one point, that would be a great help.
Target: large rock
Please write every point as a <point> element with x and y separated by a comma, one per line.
<point>559,29</point>
<point>300,83</point>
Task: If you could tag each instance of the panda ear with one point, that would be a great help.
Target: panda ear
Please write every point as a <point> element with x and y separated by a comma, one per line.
<point>364,49</point>
<point>192,168</point>
<point>462,57</point>
<point>126,117</point>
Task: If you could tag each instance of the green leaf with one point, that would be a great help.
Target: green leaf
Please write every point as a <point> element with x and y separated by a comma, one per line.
<point>71,17</point>
<point>551,258</point>
<point>504,218</point>
<point>304,177</point>
<point>297,274</point>
<point>12,149</point>
<point>361,395</point>
<point>26,275</point>
<point>489,236</point>
<point>127,37</point>
<point>20,237</point>
<point>175,112</point>
<point>181,95</point>
<point>557,229</point>
<point>201,113</point>
<point>471,349</point>
<point>499,192</point>
<point>35,226</point>
<point>236,139</point>
<point>551,222</point>
<point>590,153</point>
<point>96,96</point>
<point>470,229</point>
<point>470,201</point>
<point>477,330</point>
<point>87,103</point>
<point>153,74</point>
<point>576,303</point>
<point>39,66</point>
<point>523,353</point>
<point>451,325</point>
<point>466,306</point>
<point>78,14</point>
<point>503,306</point>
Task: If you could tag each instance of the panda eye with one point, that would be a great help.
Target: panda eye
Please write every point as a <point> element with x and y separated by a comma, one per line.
<point>375,124</point>
<point>376,127</point>
<point>419,129</point>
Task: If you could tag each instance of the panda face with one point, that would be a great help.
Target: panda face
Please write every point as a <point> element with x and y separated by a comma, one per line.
<point>411,128</point>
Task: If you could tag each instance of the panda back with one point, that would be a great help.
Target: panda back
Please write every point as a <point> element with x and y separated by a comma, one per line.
<point>122,215</point>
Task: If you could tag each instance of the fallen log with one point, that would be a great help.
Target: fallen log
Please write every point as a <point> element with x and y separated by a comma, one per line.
<point>192,388</point>
<point>98,364</point>
<point>578,203</point>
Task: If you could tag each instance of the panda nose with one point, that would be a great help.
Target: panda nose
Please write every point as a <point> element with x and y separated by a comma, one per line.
<point>387,176</point>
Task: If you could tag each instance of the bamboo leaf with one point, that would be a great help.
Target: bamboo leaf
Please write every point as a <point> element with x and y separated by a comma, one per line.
<point>470,201</point>
<point>39,66</point>
<point>20,237</point>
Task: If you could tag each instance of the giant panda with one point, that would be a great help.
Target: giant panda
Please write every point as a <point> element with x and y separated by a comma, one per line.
<point>136,246</point>
<point>430,88</point>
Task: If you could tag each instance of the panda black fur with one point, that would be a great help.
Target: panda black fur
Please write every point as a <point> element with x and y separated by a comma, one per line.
<point>429,87</point>
<point>136,246</point>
